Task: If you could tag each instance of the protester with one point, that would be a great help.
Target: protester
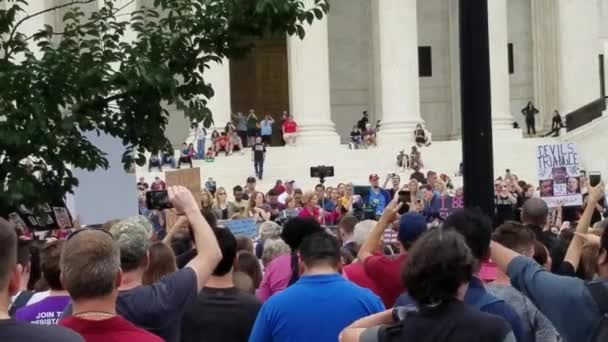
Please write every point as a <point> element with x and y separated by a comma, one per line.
<point>536,327</point>
<point>355,270</point>
<point>258,208</point>
<point>200,134</point>
<point>274,248</point>
<point>266,129</point>
<point>432,203</point>
<point>356,138</point>
<point>244,243</point>
<point>384,270</point>
<point>417,175</point>
<point>420,136</point>
<point>268,230</point>
<point>552,293</point>
<point>346,231</point>
<point>258,156</point>
<point>369,136</point>
<point>556,124</point>
<point>395,181</point>
<point>168,156</point>
<point>250,188</point>
<point>241,127</point>
<point>47,311</point>
<point>362,123</point>
<point>289,129</point>
<point>252,127</point>
<point>91,273</point>
<point>276,207</point>
<point>284,270</point>
<point>476,229</point>
<point>206,200</point>
<point>311,209</point>
<point>416,159</point>
<point>220,204</point>
<point>159,307</point>
<point>29,263</point>
<point>437,272</point>
<point>221,312</point>
<point>300,312</point>
<point>186,155</point>
<point>529,113</point>
<point>162,263</point>
<point>155,160</point>
<point>249,264</point>
<point>239,208</point>
<point>378,198</point>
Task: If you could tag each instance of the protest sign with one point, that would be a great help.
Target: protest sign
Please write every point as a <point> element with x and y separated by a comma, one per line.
<point>559,175</point>
<point>245,227</point>
<point>449,204</point>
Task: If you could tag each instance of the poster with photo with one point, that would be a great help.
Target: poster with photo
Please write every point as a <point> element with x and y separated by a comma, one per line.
<point>559,174</point>
<point>62,217</point>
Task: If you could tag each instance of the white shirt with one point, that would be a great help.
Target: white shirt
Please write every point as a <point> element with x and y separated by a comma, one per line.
<point>200,133</point>
<point>283,197</point>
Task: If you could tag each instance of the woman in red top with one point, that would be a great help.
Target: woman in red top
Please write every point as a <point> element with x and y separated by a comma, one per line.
<point>290,129</point>
<point>310,201</point>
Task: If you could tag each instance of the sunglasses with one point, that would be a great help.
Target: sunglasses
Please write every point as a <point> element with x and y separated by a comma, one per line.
<point>96,228</point>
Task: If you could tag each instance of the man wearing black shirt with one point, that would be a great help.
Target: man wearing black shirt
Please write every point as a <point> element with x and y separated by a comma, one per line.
<point>221,312</point>
<point>534,214</point>
<point>361,124</point>
<point>417,175</point>
<point>259,155</point>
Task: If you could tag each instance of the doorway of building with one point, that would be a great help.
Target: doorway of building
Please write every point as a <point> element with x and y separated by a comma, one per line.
<point>260,81</point>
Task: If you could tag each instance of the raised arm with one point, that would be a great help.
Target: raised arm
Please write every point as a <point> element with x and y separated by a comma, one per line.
<point>573,255</point>
<point>181,221</point>
<point>209,253</point>
<point>391,213</point>
<point>353,332</point>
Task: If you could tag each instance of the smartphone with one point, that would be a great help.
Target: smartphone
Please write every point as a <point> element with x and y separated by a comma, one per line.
<point>158,200</point>
<point>595,178</point>
<point>404,197</point>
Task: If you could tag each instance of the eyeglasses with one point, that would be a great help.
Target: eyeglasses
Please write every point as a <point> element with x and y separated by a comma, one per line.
<point>95,228</point>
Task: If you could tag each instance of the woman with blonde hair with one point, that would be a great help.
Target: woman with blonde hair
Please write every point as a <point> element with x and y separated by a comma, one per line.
<point>206,200</point>
<point>272,249</point>
<point>220,204</point>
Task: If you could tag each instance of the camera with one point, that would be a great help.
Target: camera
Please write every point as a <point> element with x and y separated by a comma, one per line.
<point>321,171</point>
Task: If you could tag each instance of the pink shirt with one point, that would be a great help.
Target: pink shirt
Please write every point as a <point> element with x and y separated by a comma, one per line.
<point>276,277</point>
<point>305,213</point>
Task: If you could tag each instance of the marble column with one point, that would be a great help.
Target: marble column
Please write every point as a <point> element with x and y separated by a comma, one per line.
<point>578,54</point>
<point>220,104</point>
<point>456,105</point>
<point>545,59</point>
<point>396,66</point>
<point>502,118</point>
<point>309,87</point>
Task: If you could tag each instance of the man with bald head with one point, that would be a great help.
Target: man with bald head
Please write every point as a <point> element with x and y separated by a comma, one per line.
<point>90,272</point>
<point>535,214</point>
<point>10,278</point>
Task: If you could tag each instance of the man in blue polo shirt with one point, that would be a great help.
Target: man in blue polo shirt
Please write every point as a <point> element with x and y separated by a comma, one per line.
<point>378,198</point>
<point>320,304</point>
<point>477,231</point>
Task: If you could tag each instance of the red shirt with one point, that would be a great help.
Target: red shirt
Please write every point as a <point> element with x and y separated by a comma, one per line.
<point>115,329</point>
<point>385,272</point>
<point>356,273</point>
<point>290,126</point>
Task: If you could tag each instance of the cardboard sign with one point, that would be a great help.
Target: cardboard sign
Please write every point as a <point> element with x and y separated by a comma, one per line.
<point>189,178</point>
<point>559,175</point>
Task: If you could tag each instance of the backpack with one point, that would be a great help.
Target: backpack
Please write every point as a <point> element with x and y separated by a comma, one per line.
<point>599,292</point>
<point>20,302</point>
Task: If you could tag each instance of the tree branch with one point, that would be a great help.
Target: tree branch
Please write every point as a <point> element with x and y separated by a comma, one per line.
<point>28,17</point>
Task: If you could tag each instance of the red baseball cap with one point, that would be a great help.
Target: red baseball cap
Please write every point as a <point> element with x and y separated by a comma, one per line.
<point>374,177</point>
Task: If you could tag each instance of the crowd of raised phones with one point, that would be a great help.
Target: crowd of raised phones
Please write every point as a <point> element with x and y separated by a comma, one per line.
<point>344,263</point>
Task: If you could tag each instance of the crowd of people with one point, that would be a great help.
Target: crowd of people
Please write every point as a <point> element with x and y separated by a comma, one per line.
<point>373,262</point>
<point>240,133</point>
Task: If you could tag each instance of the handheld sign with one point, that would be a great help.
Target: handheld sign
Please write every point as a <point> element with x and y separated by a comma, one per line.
<point>559,174</point>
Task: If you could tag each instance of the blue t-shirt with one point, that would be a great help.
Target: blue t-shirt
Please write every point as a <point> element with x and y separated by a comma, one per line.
<point>266,127</point>
<point>314,309</point>
<point>377,201</point>
<point>478,297</point>
<point>566,301</point>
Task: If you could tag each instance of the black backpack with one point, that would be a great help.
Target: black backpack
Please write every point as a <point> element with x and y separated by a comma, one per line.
<point>599,292</point>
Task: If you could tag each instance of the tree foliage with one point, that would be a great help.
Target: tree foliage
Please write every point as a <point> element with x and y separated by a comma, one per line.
<point>115,71</point>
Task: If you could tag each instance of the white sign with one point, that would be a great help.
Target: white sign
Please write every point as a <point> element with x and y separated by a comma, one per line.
<point>559,175</point>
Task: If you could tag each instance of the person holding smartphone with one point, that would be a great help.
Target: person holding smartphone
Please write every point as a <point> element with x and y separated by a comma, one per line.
<point>258,156</point>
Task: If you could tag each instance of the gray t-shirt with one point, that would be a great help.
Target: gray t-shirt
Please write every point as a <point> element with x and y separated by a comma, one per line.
<point>536,326</point>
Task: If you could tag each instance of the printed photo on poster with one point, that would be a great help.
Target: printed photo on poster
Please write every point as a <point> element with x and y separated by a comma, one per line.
<point>559,174</point>
<point>17,221</point>
<point>62,217</point>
